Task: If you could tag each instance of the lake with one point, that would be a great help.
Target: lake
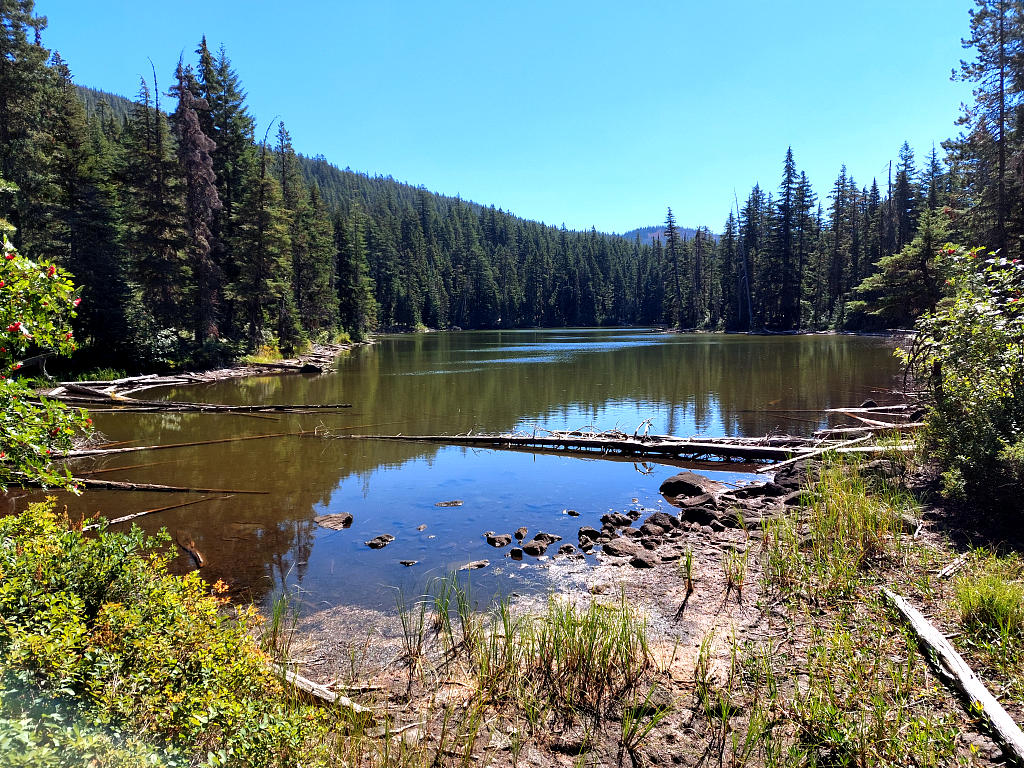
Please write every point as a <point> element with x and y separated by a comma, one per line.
<point>686,384</point>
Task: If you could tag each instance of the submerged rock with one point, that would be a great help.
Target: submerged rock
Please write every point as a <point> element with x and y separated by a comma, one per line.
<point>380,541</point>
<point>407,563</point>
<point>335,522</point>
<point>474,565</point>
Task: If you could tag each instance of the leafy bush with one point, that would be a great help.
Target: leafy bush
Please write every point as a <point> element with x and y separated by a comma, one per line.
<point>970,354</point>
<point>37,302</point>
<point>105,655</point>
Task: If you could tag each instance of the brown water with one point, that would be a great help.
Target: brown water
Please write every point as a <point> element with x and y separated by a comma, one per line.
<point>454,382</point>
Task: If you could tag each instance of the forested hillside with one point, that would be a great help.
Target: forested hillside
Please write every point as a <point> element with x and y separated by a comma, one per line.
<point>194,239</point>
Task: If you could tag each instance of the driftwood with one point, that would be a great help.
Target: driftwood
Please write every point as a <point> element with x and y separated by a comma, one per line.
<point>114,485</point>
<point>953,567</point>
<point>952,667</point>
<point>617,443</point>
<point>81,452</point>
<point>809,454</point>
<point>321,693</point>
<point>129,404</point>
<point>840,431</point>
<point>145,512</point>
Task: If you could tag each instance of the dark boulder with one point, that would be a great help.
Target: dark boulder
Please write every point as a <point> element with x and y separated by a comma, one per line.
<point>588,534</point>
<point>515,553</point>
<point>380,541</point>
<point>650,529</point>
<point>663,520</point>
<point>690,484</point>
<point>644,560</point>
<point>547,538</point>
<point>616,520</point>
<point>566,549</point>
<point>498,540</point>
<point>621,547</point>
<point>535,548</point>
<point>700,515</point>
<point>520,533</point>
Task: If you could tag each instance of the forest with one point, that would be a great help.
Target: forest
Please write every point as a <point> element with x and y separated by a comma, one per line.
<point>195,241</point>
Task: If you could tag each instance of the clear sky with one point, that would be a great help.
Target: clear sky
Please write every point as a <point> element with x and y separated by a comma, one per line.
<point>586,113</point>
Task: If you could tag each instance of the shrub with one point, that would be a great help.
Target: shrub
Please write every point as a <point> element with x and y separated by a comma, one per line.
<point>970,355</point>
<point>104,653</point>
<point>37,302</point>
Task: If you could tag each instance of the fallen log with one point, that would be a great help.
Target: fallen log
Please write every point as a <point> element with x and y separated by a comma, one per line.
<point>738,448</point>
<point>809,454</point>
<point>853,430</point>
<point>143,513</point>
<point>319,692</point>
<point>127,403</point>
<point>116,485</point>
<point>81,452</point>
<point>955,671</point>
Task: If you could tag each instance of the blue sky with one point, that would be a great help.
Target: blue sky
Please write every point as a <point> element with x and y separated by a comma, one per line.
<point>583,113</point>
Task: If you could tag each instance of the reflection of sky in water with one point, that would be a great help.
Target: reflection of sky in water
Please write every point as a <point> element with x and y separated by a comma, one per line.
<point>500,491</point>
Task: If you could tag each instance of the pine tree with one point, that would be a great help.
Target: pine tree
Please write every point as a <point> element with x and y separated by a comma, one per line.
<point>195,150</point>
<point>673,255</point>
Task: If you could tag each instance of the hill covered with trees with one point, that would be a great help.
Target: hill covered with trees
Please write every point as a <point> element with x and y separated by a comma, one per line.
<point>195,240</point>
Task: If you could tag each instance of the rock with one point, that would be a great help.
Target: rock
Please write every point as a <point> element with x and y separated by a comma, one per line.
<point>633,514</point>
<point>717,525</point>
<point>621,547</point>
<point>658,698</point>
<point>600,589</point>
<point>869,403</point>
<point>690,484</point>
<point>570,512</point>
<point>699,515</point>
<point>452,503</point>
<point>499,540</point>
<point>547,538</point>
<point>520,533</point>
<point>535,548</point>
<point>587,533</point>
<point>310,368</point>
<point>408,563</point>
<point>649,529</point>
<point>792,477</point>
<point>380,541</point>
<point>663,520</point>
<point>566,549</point>
<point>632,533</point>
<point>645,560</point>
<point>616,519</point>
<point>754,492</point>
<point>649,543</point>
<point>474,565</point>
<point>515,553</point>
<point>704,500</point>
<point>335,522</point>
<point>573,742</point>
<point>421,527</point>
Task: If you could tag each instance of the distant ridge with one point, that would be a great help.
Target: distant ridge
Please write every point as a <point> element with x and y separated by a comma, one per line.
<point>649,234</point>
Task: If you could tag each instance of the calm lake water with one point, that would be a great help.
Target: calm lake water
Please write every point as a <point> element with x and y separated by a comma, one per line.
<point>447,383</point>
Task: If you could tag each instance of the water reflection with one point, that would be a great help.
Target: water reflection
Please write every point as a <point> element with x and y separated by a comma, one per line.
<point>455,382</point>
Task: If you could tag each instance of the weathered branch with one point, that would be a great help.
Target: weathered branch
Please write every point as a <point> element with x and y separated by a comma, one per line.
<point>952,667</point>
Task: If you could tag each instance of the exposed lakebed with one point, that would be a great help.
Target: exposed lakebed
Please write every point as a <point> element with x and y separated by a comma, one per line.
<point>447,383</point>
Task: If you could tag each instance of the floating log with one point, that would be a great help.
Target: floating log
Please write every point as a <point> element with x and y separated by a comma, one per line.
<point>956,672</point>
<point>143,513</point>
<point>128,403</point>
<point>78,453</point>
<point>619,443</point>
<point>115,485</point>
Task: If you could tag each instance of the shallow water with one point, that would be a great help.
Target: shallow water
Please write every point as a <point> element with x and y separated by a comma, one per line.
<point>454,382</point>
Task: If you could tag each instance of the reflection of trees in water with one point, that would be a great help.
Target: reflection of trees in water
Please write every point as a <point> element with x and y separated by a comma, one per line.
<point>708,381</point>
